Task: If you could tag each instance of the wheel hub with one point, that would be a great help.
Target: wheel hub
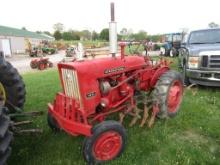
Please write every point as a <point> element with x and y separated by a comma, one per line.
<point>107,146</point>
<point>2,94</point>
<point>174,96</point>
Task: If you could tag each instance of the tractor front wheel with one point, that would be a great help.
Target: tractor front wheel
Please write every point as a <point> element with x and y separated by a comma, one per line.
<point>107,142</point>
<point>168,94</point>
<point>52,123</point>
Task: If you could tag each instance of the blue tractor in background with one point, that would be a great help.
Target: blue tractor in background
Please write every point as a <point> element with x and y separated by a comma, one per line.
<point>171,45</point>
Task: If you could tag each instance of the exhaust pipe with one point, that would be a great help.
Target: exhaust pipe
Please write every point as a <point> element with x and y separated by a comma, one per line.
<point>113,32</point>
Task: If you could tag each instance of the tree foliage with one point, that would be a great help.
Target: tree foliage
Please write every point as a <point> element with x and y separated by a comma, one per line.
<point>58,27</point>
<point>104,35</point>
<point>57,35</point>
<point>213,25</point>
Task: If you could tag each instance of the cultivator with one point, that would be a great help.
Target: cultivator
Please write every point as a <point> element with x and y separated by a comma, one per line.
<point>94,89</point>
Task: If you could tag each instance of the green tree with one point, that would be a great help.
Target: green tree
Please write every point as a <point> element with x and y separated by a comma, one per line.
<point>57,35</point>
<point>58,27</point>
<point>141,35</point>
<point>86,35</point>
<point>213,25</point>
<point>23,28</point>
<point>104,35</point>
<point>95,35</point>
<point>67,36</point>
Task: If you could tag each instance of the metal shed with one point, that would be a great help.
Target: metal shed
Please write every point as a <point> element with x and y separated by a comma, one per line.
<point>14,41</point>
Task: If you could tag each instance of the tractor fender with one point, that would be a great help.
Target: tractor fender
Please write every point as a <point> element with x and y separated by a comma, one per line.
<point>157,74</point>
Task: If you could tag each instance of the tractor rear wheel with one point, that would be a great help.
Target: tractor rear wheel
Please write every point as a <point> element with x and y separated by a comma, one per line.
<point>33,64</point>
<point>168,94</point>
<point>106,143</point>
<point>5,136</point>
<point>12,85</point>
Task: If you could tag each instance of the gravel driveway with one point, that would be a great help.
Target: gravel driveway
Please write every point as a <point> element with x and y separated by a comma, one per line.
<point>22,62</point>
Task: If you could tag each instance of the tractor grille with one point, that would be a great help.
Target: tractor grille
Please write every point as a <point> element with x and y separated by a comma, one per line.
<point>70,82</point>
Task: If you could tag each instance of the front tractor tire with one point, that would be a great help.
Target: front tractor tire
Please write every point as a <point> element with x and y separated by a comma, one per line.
<point>12,85</point>
<point>168,94</point>
<point>107,142</point>
<point>52,123</point>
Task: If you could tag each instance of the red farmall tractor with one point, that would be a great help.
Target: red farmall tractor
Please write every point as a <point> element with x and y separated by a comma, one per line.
<point>41,63</point>
<point>94,89</point>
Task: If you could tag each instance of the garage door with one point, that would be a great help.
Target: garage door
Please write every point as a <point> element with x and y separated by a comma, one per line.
<point>6,47</point>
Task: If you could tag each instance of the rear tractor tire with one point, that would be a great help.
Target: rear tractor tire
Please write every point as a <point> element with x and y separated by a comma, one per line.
<point>107,142</point>
<point>5,136</point>
<point>12,89</point>
<point>168,94</point>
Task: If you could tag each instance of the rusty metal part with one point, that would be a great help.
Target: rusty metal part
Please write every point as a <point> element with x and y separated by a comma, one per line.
<point>136,116</point>
<point>153,116</point>
<point>145,115</point>
<point>112,12</point>
<point>27,114</point>
<point>21,123</point>
<point>121,117</point>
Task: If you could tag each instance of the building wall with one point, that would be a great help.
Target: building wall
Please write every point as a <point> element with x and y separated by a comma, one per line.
<point>1,42</point>
<point>20,44</point>
<point>17,44</point>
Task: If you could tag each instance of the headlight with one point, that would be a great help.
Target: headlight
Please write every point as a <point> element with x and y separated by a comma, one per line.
<point>193,62</point>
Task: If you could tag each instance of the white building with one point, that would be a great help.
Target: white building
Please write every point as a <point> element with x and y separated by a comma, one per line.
<point>14,41</point>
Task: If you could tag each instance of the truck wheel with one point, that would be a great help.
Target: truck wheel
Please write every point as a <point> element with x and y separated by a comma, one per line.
<point>106,143</point>
<point>52,123</point>
<point>12,85</point>
<point>5,136</point>
<point>168,94</point>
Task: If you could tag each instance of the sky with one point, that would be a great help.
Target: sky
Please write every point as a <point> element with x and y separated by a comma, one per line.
<point>152,16</point>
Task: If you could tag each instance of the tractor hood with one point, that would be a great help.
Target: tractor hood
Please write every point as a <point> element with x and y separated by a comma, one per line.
<point>103,67</point>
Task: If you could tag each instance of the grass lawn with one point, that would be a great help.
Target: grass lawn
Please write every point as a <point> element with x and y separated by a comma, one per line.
<point>192,137</point>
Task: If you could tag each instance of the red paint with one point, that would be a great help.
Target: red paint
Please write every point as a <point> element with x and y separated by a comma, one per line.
<point>130,72</point>
<point>174,96</point>
<point>107,146</point>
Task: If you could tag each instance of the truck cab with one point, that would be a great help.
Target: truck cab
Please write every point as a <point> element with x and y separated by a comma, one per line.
<point>200,57</point>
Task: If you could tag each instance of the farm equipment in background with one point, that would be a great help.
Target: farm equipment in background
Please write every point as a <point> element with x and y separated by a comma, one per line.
<point>41,50</point>
<point>41,63</point>
<point>71,51</point>
<point>94,89</point>
<point>48,50</point>
<point>172,44</point>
